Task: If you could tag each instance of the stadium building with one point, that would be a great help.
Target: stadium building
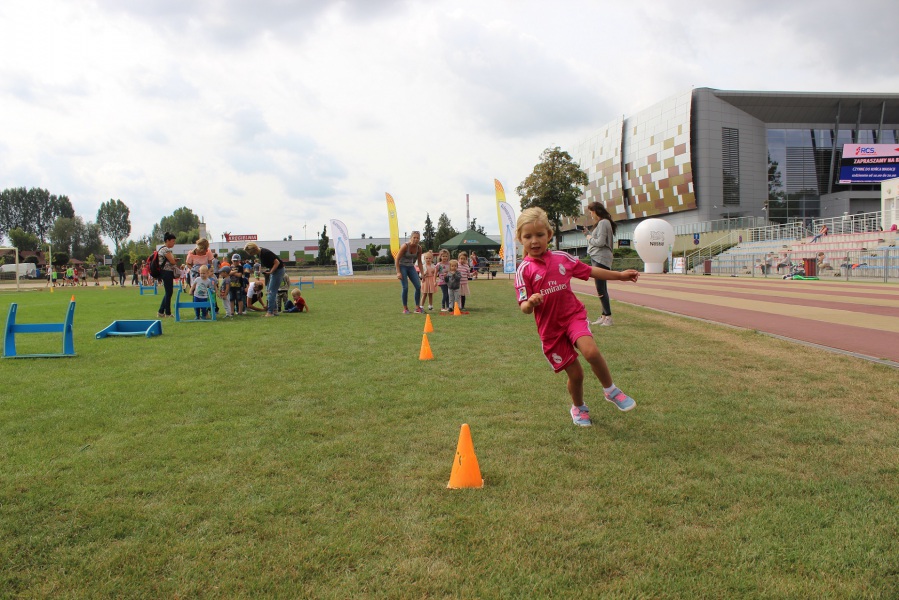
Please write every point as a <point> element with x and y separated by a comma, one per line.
<point>709,160</point>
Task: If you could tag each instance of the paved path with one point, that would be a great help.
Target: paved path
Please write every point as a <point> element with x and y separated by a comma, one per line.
<point>861,318</point>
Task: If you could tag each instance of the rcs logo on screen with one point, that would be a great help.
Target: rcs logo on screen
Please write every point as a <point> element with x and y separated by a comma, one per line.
<point>865,150</point>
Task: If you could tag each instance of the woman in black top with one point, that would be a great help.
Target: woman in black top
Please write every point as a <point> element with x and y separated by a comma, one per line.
<point>167,260</point>
<point>274,269</point>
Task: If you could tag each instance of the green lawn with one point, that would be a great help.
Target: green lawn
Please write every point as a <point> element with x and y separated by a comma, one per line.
<point>308,456</point>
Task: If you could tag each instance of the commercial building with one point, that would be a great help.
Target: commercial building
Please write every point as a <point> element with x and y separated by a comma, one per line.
<point>735,158</point>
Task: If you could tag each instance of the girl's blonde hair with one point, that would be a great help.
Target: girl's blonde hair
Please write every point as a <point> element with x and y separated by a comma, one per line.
<point>454,263</point>
<point>203,244</point>
<point>204,270</point>
<point>444,251</point>
<point>461,254</point>
<point>251,248</point>
<point>532,215</point>
<point>429,254</point>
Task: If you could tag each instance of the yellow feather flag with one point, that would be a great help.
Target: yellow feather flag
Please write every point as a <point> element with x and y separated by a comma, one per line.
<point>506,219</point>
<point>500,198</point>
<point>394,226</point>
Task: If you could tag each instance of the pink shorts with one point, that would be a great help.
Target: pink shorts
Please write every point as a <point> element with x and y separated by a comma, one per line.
<point>560,352</point>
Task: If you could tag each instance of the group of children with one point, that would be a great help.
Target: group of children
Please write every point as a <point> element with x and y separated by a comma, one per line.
<point>237,291</point>
<point>73,275</point>
<point>451,276</point>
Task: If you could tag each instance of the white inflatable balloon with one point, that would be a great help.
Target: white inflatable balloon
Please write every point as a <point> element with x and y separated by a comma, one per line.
<point>652,239</point>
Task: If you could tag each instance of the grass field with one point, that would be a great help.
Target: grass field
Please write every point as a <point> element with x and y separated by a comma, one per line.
<point>308,456</point>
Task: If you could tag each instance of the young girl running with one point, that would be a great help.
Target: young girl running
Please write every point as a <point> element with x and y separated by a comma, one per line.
<point>428,281</point>
<point>543,283</point>
<point>442,270</point>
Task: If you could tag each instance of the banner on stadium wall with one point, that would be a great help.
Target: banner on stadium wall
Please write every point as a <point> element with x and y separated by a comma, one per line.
<point>342,253</point>
<point>394,226</point>
<point>507,226</point>
<point>869,163</point>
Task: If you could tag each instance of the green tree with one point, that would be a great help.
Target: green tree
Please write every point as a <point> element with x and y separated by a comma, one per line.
<point>555,186</point>
<point>362,256</point>
<point>444,231</point>
<point>15,211</point>
<point>188,237</point>
<point>23,240</point>
<point>182,221</point>
<point>373,250</point>
<point>323,257</point>
<point>33,211</point>
<point>479,228</point>
<point>77,238</point>
<point>91,242</point>
<point>139,249</point>
<point>113,217</point>
<point>428,233</point>
<point>50,208</point>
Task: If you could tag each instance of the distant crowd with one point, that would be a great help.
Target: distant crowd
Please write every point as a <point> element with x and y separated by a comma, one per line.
<point>242,284</point>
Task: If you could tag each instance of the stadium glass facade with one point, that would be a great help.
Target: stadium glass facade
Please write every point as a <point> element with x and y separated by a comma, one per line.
<point>709,155</point>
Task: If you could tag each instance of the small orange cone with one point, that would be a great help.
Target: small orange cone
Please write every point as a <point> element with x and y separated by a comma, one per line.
<point>73,297</point>
<point>456,311</point>
<point>425,353</point>
<point>51,289</point>
<point>429,327</point>
<point>466,472</point>
<point>335,282</point>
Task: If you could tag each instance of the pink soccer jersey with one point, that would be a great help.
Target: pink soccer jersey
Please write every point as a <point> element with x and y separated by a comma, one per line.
<point>551,276</point>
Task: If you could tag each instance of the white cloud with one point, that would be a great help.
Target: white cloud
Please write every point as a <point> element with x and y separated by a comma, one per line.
<point>267,116</point>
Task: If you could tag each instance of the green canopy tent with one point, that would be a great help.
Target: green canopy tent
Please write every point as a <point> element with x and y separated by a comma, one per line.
<point>470,240</point>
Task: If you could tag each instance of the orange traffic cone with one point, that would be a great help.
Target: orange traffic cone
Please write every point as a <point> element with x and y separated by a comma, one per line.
<point>73,297</point>
<point>456,311</point>
<point>335,282</point>
<point>429,327</point>
<point>425,353</point>
<point>466,473</point>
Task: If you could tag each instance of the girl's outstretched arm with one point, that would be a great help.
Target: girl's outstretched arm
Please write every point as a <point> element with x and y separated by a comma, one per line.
<point>600,273</point>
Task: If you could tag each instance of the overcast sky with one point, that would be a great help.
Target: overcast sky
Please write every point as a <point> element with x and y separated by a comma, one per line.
<point>265,116</point>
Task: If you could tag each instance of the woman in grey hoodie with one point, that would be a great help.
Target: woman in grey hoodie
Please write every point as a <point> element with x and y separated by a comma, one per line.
<point>599,246</point>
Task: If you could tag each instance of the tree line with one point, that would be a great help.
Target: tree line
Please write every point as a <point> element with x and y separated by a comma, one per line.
<point>35,219</point>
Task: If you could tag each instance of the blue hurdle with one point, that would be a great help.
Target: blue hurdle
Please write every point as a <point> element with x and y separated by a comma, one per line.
<point>148,288</point>
<point>310,282</point>
<point>210,304</point>
<point>12,328</point>
<point>130,328</point>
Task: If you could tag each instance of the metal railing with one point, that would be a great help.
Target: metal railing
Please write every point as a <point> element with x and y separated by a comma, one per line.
<point>707,252</point>
<point>881,264</point>
<point>720,225</point>
<point>860,223</point>
<point>782,231</point>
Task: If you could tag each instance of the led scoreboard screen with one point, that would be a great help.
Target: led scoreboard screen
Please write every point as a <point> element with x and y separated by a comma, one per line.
<point>869,163</point>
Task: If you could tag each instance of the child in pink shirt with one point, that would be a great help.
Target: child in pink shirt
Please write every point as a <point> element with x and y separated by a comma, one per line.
<point>543,283</point>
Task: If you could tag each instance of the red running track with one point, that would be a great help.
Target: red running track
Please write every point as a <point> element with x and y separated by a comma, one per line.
<point>857,318</point>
